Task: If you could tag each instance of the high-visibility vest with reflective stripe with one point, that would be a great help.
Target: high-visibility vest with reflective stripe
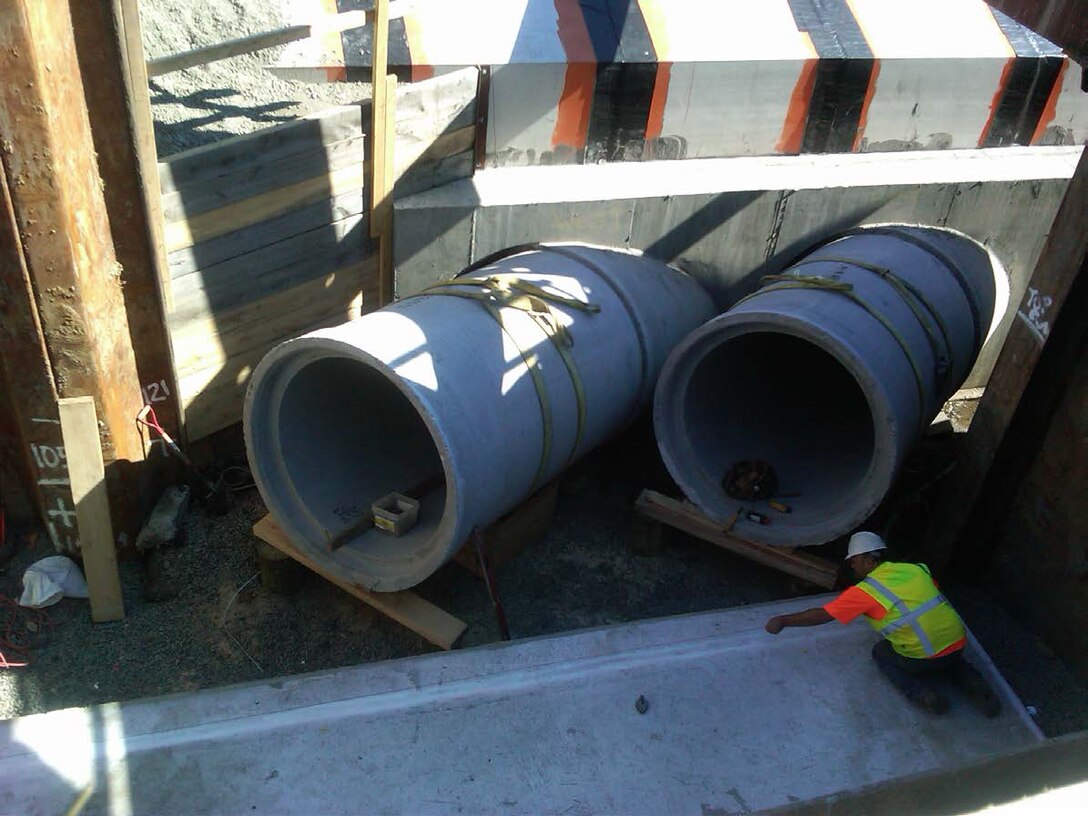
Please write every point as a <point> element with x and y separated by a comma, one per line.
<point>919,622</point>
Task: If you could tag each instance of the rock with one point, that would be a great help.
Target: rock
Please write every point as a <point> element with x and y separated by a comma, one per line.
<point>163,526</point>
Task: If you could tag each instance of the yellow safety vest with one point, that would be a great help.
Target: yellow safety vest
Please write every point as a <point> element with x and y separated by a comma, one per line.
<point>918,621</point>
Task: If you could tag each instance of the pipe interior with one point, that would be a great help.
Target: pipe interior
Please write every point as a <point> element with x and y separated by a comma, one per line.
<point>348,437</point>
<point>782,399</point>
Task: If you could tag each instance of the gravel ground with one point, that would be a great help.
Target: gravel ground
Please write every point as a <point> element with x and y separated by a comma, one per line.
<point>202,105</point>
<point>224,627</point>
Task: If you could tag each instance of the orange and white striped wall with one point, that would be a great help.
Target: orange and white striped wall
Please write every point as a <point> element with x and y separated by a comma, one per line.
<point>571,81</point>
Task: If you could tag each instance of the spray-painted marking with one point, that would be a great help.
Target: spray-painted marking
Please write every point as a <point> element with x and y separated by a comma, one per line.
<point>48,456</point>
<point>48,482</point>
<point>156,392</point>
<point>46,421</point>
<point>68,544</point>
<point>61,511</point>
<point>1037,305</point>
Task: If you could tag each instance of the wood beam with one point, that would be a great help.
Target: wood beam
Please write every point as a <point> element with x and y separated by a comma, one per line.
<point>1062,257</point>
<point>1063,22</point>
<point>383,117</point>
<point>107,38</point>
<point>56,204</point>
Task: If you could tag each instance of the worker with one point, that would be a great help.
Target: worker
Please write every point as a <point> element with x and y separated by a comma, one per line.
<point>923,637</point>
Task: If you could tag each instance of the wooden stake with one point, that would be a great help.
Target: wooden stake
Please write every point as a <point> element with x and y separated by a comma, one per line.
<point>383,130</point>
<point>79,425</point>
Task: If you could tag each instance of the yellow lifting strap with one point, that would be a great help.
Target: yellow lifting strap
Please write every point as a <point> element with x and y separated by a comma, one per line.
<point>496,293</point>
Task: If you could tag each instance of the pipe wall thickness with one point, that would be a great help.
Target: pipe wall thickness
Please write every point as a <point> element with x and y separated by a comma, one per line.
<point>471,402</point>
<point>829,373</point>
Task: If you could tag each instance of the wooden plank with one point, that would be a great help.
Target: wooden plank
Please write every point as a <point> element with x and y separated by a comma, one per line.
<point>229,48</point>
<point>278,228</point>
<point>1062,256</point>
<point>425,110</point>
<point>428,176</point>
<point>246,213</point>
<point>241,154</point>
<point>63,223</point>
<point>30,390</point>
<point>121,126</point>
<point>383,210</point>
<point>79,426</point>
<point>213,397</point>
<point>328,24</point>
<point>210,341</point>
<point>248,278</point>
<point>684,517</point>
<point>405,607</point>
<point>321,160</point>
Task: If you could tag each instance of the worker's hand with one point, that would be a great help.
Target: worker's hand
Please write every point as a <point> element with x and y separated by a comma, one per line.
<point>775,625</point>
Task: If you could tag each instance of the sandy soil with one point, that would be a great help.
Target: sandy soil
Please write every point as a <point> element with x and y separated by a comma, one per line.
<point>202,105</point>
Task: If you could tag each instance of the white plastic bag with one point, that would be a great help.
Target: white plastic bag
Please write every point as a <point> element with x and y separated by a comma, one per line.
<point>47,581</point>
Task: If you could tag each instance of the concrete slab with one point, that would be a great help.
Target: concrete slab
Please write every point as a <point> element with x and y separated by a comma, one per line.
<point>734,721</point>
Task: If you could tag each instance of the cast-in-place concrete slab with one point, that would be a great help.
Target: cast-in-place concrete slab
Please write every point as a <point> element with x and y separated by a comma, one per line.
<point>734,721</point>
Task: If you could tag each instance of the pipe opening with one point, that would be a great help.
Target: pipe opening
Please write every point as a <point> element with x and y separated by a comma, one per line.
<point>348,436</point>
<point>784,400</point>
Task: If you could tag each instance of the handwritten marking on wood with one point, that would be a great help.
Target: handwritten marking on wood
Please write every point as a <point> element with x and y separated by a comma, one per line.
<point>1037,305</point>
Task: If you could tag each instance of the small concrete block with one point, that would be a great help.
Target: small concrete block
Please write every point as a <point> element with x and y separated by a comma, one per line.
<point>395,513</point>
<point>164,523</point>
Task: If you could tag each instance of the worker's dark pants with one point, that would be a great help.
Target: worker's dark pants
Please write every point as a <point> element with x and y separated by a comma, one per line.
<point>913,675</point>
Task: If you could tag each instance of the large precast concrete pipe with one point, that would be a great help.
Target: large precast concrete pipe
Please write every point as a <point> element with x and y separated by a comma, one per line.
<point>466,397</point>
<point>829,373</point>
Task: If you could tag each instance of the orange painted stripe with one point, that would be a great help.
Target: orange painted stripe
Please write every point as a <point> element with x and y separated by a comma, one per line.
<point>870,92</point>
<point>863,118</point>
<point>793,131</point>
<point>655,119</point>
<point>576,102</point>
<point>1006,72</point>
<point>336,74</point>
<point>1050,110</point>
<point>572,120</point>
<point>413,32</point>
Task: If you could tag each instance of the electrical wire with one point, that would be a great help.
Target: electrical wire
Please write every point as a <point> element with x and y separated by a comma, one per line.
<point>223,620</point>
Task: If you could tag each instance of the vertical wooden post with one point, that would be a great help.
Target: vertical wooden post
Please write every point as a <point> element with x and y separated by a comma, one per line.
<point>111,58</point>
<point>383,110</point>
<point>64,242</point>
<point>1057,268</point>
<point>79,425</point>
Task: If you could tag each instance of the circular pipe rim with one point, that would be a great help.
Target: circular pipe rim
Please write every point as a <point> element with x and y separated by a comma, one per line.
<point>310,349</point>
<point>670,423</point>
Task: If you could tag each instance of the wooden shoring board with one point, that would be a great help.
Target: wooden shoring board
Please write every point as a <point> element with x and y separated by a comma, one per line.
<point>79,425</point>
<point>405,607</point>
<point>107,37</point>
<point>684,517</point>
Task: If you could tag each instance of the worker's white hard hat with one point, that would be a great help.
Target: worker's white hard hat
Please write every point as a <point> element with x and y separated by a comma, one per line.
<point>864,542</point>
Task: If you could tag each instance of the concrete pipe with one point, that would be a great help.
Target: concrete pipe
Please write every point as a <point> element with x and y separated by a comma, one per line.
<point>829,373</point>
<point>466,398</point>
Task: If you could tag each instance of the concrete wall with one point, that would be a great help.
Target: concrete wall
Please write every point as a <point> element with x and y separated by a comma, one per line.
<point>730,221</point>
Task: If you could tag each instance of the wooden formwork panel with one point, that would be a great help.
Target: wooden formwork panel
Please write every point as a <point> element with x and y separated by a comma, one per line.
<point>267,235</point>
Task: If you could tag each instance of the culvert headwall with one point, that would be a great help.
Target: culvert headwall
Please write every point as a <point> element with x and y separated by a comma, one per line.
<point>829,373</point>
<point>466,397</point>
